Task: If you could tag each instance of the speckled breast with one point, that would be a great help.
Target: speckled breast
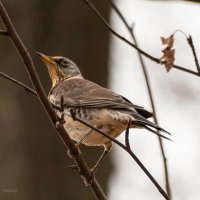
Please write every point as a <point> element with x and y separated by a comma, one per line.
<point>110,121</point>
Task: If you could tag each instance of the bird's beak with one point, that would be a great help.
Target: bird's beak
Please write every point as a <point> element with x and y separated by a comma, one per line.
<point>46,59</point>
<point>51,65</point>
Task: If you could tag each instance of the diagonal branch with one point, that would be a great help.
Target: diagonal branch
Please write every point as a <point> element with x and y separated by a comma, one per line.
<point>97,13</point>
<point>147,81</point>
<point>22,85</point>
<point>4,33</point>
<point>152,58</point>
<point>70,147</point>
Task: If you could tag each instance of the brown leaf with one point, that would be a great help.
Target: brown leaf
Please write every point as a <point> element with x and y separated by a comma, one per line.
<point>168,41</point>
<point>168,58</point>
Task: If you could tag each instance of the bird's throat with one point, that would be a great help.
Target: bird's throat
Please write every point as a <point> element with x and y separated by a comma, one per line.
<point>54,74</point>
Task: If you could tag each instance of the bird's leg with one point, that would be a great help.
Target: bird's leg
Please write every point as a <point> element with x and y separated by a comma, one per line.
<point>87,135</point>
<point>96,166</point>
<point>107,148</point>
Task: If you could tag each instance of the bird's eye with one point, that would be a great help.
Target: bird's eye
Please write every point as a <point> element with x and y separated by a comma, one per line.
<point>64,62</point>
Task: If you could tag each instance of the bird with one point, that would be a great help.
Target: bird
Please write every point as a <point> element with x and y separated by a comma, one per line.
<point>100,107</point>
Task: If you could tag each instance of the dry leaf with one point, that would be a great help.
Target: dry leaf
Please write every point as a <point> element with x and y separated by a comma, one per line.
<point>168,41</point>
<point>168,58</point>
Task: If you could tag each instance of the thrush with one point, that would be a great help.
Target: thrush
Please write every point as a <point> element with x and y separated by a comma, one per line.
<point>100,107</point>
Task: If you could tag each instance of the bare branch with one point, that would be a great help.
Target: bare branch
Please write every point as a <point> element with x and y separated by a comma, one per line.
<point>96,12</point>
<point>127,135</point>
<point>147,81</point>
<point>154,59</point>
<point>190,42</point>
<point>4,33</point>
<point>128,150</point>
<point>25,87</point>
<point>186,70</point>
<point>77,157</point>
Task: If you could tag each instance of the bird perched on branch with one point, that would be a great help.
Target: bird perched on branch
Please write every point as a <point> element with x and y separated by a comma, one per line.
<point>98,106</point>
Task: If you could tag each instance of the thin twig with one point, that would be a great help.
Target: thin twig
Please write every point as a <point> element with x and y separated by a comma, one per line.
<point>76,155</point>
<point>128,151</point>
<point>191,44</point>
<point>147,81</point>
<point>127,135</point>
<point>4,33</point>
<point>154,59</point>
<point>96,12</point>
<point>25,87</point>
<point>122,38</point>
<point>184,69</point>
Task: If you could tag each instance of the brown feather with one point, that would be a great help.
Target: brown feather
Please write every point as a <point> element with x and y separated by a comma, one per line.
<point>79,92</point>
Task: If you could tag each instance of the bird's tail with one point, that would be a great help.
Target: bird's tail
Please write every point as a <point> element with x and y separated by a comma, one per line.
<point>150,126</point>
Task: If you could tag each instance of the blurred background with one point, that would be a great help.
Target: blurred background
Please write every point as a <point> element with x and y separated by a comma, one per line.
<point>34,162</point>
<point>33,159</point>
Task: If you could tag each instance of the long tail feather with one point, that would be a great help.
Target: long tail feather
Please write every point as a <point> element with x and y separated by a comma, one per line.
<point>141,120</point>
<point>155,132</point>
<point>156,126</point>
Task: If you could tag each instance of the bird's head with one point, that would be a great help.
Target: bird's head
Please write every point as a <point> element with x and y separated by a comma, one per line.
<point>60,68</point>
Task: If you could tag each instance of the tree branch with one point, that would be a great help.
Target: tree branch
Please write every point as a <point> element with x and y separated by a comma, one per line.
<point>152,58</point>
<point>191,44</point>
<point>76,155</point>
<point>128,150</point>
<point>3,32</point>
<point>22,85</point>
<point>96,12</point>
<point>147,81</point>
<point>127,135</point>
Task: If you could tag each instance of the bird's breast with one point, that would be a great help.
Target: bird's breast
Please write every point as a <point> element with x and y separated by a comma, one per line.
<point>109,121</point>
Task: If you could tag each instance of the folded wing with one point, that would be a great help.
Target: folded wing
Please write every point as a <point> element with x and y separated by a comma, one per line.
<point>79,92</point>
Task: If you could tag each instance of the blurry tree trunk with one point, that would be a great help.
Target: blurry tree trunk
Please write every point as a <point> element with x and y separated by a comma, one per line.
<point>66,28</point>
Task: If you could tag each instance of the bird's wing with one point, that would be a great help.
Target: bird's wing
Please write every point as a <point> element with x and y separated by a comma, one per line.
<point>80,92</point>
